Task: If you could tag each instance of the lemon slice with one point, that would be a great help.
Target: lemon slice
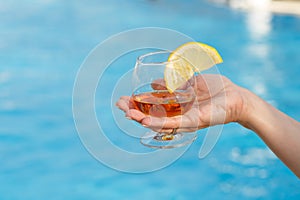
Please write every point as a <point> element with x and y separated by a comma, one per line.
<point>187,59</point>
<point>177,72</point>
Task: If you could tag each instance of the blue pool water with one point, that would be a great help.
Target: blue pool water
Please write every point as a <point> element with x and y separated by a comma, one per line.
<point>43,44</point>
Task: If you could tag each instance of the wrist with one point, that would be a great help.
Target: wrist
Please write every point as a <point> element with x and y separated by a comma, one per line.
<point>251,108</point>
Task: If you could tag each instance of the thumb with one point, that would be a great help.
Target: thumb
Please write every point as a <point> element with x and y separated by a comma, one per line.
<point>159,84</point>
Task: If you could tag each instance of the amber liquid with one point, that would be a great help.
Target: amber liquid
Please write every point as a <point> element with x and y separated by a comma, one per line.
<point>161,103</point>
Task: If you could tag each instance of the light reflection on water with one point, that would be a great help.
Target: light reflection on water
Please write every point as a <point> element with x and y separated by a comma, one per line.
<point>253,156</point>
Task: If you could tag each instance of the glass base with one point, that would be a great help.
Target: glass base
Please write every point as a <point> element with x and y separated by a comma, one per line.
<point>167,140</point>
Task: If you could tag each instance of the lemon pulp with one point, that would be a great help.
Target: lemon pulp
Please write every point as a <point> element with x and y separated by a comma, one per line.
<point>187,59</point>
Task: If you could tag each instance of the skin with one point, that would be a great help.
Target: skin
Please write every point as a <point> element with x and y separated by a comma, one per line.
<point>219,101</point>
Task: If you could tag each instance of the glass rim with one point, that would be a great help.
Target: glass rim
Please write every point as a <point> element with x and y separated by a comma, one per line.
<point>141,57</point>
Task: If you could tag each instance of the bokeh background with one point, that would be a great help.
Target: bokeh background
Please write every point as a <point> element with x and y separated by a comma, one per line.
<point>42,45</point>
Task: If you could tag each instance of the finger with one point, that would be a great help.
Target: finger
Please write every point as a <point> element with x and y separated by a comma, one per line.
<point>170,130</point>
<point>160,123</point>
<point>209,85</point>
<point>190,119</point>
<point>123,103</point>
<point>159,84</point>
<point>135,115</point>
<point>182,121</point>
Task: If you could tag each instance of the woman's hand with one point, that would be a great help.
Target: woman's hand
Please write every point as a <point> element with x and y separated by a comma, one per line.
<point>218,101</point>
